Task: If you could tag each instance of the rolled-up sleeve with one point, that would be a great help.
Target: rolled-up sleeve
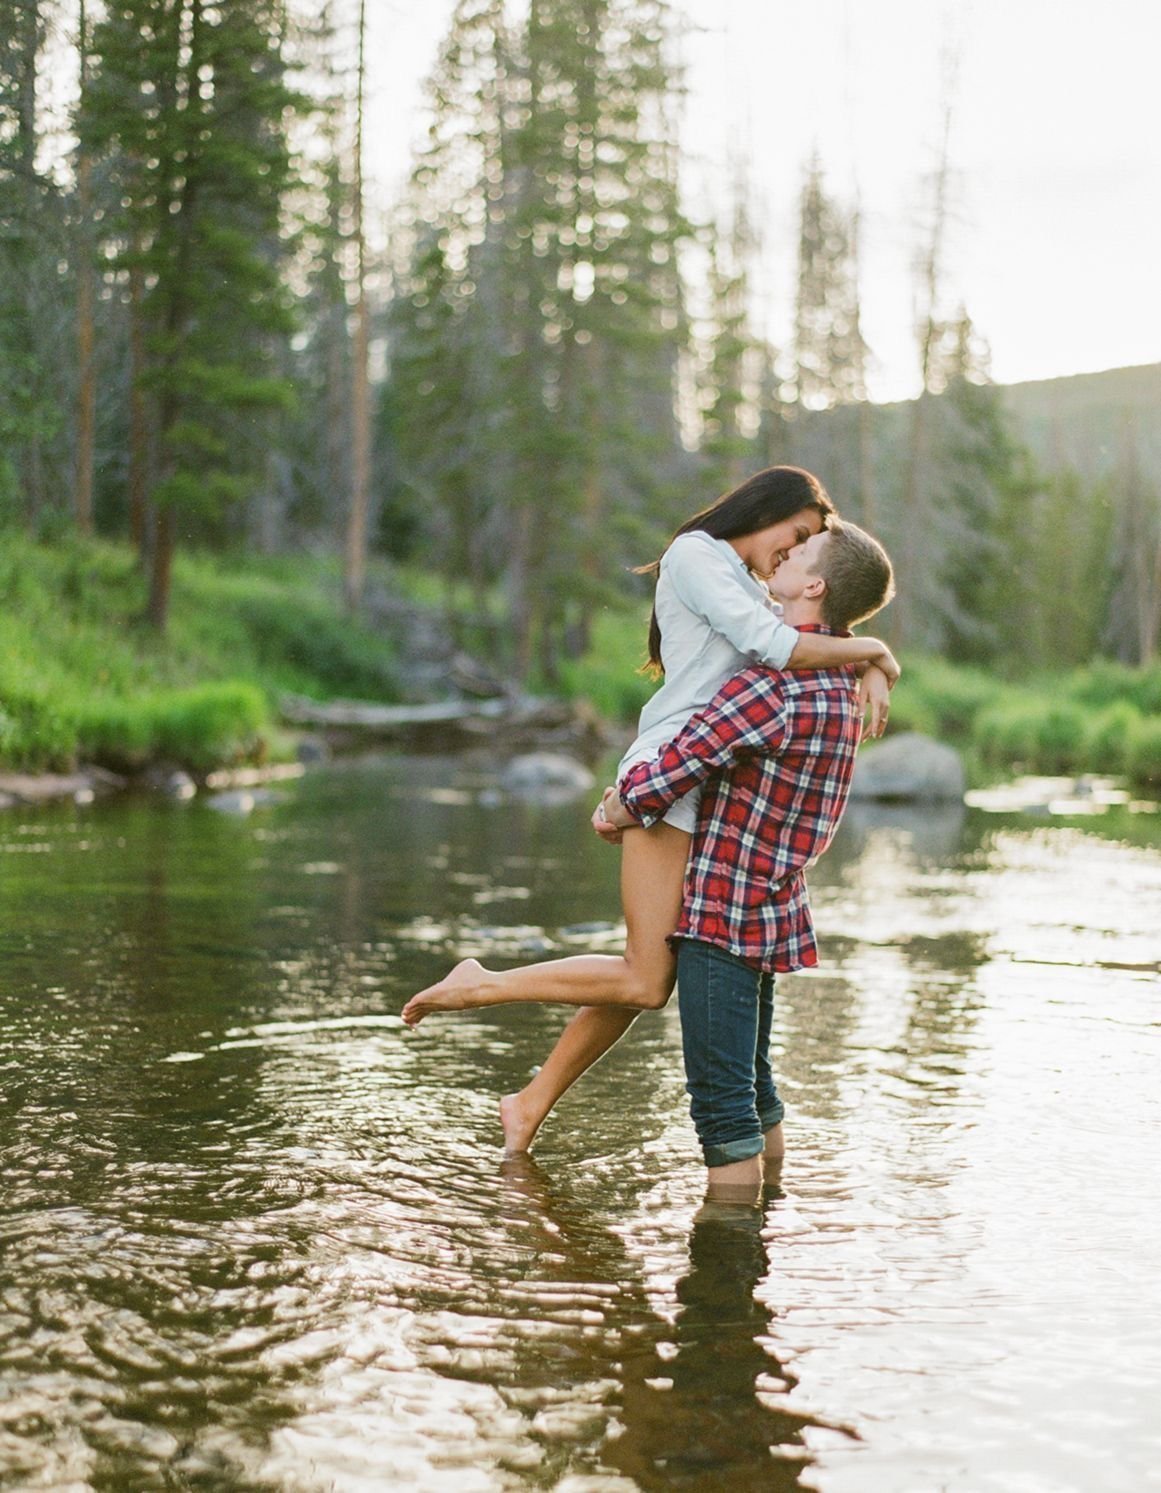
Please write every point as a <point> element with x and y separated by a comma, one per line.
<point>711,585</point>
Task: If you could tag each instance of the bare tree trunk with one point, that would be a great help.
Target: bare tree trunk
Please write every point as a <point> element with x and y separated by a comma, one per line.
<point>86,383</point>
<point>866,464</point>
<point>1144,547</point>
<point>139,453</point>
<point>356,553</point>
<point>909,602</point>
<point>519,591</point>
<point>161,571</point>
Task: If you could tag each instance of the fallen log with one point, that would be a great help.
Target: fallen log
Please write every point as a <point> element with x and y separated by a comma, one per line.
<point>298,711</point>
<point>514,724</point>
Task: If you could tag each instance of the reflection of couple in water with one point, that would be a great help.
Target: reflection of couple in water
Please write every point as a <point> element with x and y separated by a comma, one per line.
<point>702,1398</point>
<point>734,785</point>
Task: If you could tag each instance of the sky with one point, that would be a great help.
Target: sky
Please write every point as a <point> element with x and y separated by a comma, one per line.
<point>1055,145</point>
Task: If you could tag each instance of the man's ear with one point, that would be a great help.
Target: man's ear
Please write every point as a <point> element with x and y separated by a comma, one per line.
<point>815,588</point>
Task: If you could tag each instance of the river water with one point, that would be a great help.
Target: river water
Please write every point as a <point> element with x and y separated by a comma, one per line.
<point>255,1235</point>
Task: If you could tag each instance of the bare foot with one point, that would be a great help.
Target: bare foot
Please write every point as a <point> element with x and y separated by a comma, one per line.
<point>519,1122</point>
<point>455,992</point>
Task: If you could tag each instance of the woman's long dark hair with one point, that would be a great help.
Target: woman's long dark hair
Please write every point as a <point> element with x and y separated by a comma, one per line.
<point>766,498</point>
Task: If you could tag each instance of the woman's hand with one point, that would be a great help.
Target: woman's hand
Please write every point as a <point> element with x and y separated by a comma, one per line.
<point>602,824</point>
<point>875,695</point>
<point>889,665</point>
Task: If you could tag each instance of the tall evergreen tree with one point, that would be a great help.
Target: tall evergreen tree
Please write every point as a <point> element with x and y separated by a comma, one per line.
<point>1133,629</point>
<point>34,326</point>
<point>829,352</point>
<point>734,362</point>
<point>979,478</point>
<point>544,257</point>
<point>187,105</point>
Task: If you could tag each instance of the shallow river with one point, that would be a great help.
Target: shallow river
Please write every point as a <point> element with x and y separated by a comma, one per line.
<point>255,1235</point>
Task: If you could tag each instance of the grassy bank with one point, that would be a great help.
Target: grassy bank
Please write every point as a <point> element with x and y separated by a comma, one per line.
<point>83,678</point>
<point>1103,719</point>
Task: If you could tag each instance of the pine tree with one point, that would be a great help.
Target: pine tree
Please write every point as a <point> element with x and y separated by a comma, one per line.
<point>34,326</point>
<point>1133,628</point>
<point>186,106</point>
<point>829,353</point>
<point>734,362</point>
<point>539,311</point>
<point>978,475</point>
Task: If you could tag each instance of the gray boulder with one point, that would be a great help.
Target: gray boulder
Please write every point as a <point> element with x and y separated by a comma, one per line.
<point>547,777</point>
<point>909,768</point>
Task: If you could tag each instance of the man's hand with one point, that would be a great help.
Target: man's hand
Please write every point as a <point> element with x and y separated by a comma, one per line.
<point>875,694</point>
<point>602,824</point>
<point>616,812</point>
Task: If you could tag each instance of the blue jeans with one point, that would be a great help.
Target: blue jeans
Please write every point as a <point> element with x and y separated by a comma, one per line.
<point>727,1009</point>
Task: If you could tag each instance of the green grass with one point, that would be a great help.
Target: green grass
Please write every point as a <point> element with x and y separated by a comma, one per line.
<point>609,673</point>
<point>82,677</point>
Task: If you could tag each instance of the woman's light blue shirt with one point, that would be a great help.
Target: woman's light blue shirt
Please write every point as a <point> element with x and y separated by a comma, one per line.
<point>715,619</point>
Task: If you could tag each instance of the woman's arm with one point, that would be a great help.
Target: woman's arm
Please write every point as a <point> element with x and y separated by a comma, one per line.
<point>819,650</point>
<point>710,585</point>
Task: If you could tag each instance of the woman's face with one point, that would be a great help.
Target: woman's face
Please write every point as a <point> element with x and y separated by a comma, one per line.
<point>765,549</point>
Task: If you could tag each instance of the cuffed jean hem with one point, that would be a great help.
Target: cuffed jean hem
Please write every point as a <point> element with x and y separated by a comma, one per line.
<point>768,1118</point>
<point>733,1150</point>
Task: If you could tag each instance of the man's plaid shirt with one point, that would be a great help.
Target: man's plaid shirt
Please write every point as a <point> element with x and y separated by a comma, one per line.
<point>778,750</point>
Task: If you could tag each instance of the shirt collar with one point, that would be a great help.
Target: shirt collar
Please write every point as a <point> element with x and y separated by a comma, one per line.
<point>833,632</point>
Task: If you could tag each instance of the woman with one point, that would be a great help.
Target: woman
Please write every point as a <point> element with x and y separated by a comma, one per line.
<point>711,617</point>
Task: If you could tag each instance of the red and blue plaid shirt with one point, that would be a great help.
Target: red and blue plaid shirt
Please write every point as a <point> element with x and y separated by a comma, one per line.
<point>777,749</point>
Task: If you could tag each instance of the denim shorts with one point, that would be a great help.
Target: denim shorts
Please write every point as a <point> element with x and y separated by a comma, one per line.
<point>727,1010</point>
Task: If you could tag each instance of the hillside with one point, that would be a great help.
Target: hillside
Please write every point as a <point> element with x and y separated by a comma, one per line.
<point>1088,421</point>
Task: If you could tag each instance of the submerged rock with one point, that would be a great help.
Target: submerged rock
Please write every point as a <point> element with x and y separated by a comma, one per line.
<point>243,801</point>
<point>171,783</point>
<point>909,768</point>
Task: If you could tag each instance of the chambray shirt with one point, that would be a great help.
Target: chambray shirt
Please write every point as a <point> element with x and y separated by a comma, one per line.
<point>715,619</point>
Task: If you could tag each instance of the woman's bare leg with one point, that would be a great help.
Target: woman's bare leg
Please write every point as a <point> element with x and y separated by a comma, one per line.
<point>652,874</point>
<point>587,1037</point>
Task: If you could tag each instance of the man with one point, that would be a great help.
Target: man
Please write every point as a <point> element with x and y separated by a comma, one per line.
<point>775,751</point>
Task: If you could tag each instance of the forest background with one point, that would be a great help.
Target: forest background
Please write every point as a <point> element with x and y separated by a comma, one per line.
<point>231,423</point>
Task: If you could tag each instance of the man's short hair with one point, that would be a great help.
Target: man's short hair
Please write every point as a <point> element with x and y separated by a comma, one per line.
<point>858,575</point>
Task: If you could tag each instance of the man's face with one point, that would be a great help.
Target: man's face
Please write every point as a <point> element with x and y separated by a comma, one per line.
<point>799,568</point>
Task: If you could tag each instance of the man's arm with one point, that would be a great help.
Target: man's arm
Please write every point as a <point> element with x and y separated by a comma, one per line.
<point>747,717</point>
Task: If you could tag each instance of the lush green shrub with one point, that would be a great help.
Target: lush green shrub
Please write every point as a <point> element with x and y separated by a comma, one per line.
<point>609,674</point>
<point>315,641</point>
<point>1060,737</point>
<point>1107,737</point>
<point>1106,682</point>
<point>82,674</point>
<point>196,728</point>
<point>1144,754</point>
<point>946,697</point>
<point>36,726</point>
<point>1006,733</point>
